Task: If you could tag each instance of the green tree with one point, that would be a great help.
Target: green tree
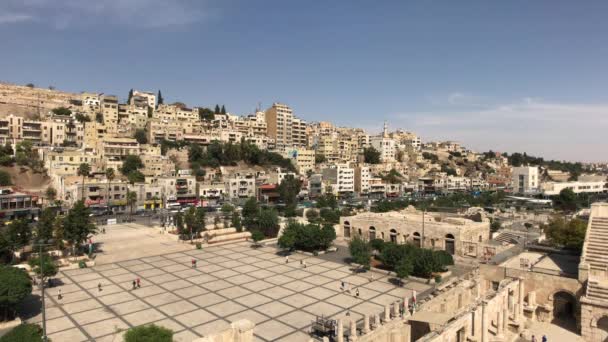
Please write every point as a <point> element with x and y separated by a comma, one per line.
<point>371,155</point>
<point>268,222</point>
<point>45,225</point>
<point>25,332</point>
<point>288,192</point>
<point>223,110</point>
<point>227,210</point>
<point>257,236</point>
<point>130,96</point>
<point>312,215</point>
<point>288,239</point>
<point>77,226</point>
<point>15,286</point>
<point>566,233</point>
<point>319,158</point>
<point>392,254</point>
<point>404,268</point>
<point>51,194</point>
<point>217,109</point>
<point>236,222</point>
<point>30,85</point>
<point>131,200</point>
<point>179,224</point>
<point>566,200</point>
<point>84,170</point>
<point>425,263</point>
<point>360,251</point>
<point>250,212</point>
<point>206,114</point>
<point>136,177</point>
<point>131,163</point>
<point>330,216</point>
<point>5,178</point>
<point>18,234</point>
<point>83,119</point>
<point>195,221</point>
<point>159,99</point>
<point>148,333</point>
<point>46,269</point>
<point>141,136</point>
<point>62,111</point>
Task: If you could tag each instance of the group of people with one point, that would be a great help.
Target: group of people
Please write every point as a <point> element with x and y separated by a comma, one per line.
<point>347,287</point>
<point>544,338</point>
<point>302,261</point>
<point>136,283</point>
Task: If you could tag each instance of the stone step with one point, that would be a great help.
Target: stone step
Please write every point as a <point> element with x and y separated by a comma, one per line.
<point>593,294</point>
<point>598,259</point>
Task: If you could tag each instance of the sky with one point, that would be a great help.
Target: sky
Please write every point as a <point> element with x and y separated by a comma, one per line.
<point>510,76</point>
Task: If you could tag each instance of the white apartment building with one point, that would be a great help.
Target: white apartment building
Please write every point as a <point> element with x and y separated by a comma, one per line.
<point>138,96</point>
<point>386,147</point>
<point>240,186</point>
<point>525,179</point>
<point>554,188</point>
<point>362,179</point>
<point>341,179</point>
<point>298,132</point>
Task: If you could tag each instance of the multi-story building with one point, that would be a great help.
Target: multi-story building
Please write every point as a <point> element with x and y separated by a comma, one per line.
<point>386,146</point>
<point>15,205</point>
<point>279,121</point>
<point>109,107</point>
<point>141,98</point>
<point>241,186</point>
<point>160,129</point>
<point>525,179</point>
<point>554,188</point>
<point>362,179</point>
<point>298,132</point>
<point>340,178</point>
<point>303,159</point>
<point>115,150</point>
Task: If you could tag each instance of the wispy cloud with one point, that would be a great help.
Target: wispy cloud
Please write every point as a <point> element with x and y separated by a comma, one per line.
<point>11,18</point>
<point>62,14</point>
<point>572,131</point>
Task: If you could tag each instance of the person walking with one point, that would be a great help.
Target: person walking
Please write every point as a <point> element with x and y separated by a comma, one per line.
<point>193,263</point>
<point>304,264</point>
<point>99,287</point>
<point>544,338</point>
<point>533,338</point>
<point>287,259</point>
<point>134,284</point>
<point>59,295</point>
<point>138,283</point>
<point>357,293</point>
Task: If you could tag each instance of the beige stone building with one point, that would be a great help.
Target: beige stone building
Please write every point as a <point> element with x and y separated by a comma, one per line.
<point>455,234</point>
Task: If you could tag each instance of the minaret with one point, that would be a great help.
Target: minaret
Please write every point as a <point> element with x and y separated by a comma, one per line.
<point>385,131</point>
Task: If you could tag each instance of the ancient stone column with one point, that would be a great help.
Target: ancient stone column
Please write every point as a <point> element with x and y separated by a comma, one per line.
<point>532,298</point>
<point>520,301</point>
<point>484,322</point>
<point>396,309</point>
<point>499,324</point>
<point>340,331</point>
<point>353,330</point>
<point>377,320</point>
<point>505,318</point>
<point>387,313</point>
<point>365,324</point>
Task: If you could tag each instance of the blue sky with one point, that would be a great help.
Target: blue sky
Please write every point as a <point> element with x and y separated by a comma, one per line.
<point>508,76</point>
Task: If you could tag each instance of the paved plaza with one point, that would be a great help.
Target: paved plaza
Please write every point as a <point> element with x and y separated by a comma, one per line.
<point>231,282</point>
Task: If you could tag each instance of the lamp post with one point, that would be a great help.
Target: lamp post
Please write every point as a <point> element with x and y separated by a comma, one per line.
<point>41,244</point>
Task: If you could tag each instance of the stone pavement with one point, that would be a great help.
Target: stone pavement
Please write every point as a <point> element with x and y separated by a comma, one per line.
<point>231,282</point>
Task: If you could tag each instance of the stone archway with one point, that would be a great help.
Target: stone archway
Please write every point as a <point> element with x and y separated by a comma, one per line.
<point>393,236</point>
<point>450,244</point>
<point>564,310</point>
<point>416,238</point>
<point>372,233</point>
<point>346,229</point>
<point>601,333</point>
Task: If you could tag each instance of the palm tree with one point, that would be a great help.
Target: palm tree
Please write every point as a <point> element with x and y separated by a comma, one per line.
<point>84,170</point>
<point>131,200</point>
<point>109,177</point>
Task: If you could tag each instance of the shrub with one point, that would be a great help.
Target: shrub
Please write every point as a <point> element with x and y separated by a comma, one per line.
<point>82,264</point>
<point>15,285</point>
<point>23,333</point>
<point>257,236</point>
<point>444,258</point>
<point>437,279</point>
<point>360,251</point>
<point>148,333</point>
<point>199,245</point>
<point>377,244</point>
